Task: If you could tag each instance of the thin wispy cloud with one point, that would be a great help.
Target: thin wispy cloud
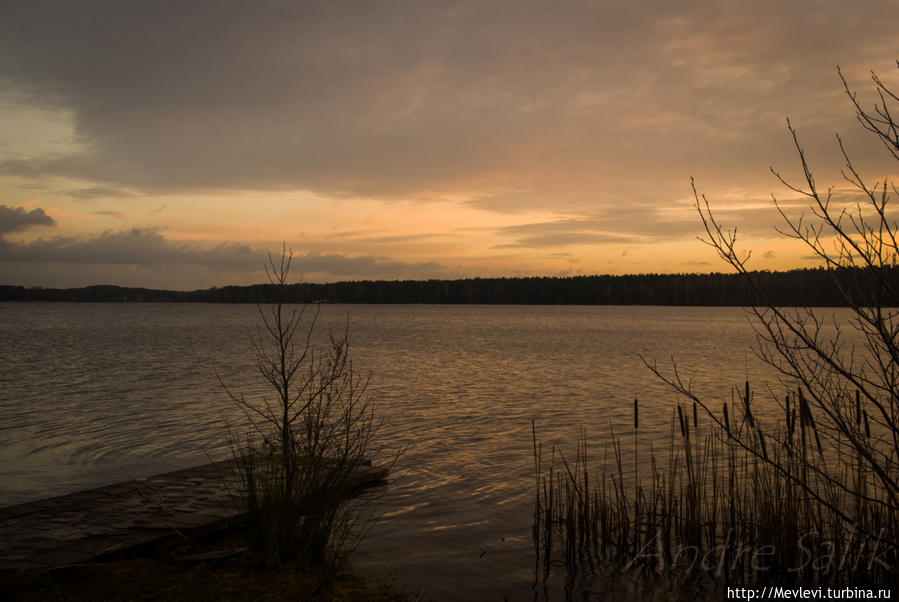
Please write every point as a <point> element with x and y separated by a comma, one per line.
<point>96,192</point>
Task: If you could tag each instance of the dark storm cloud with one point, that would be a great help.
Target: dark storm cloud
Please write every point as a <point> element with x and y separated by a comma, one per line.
<point>394,98</point>
<point>16,219</point>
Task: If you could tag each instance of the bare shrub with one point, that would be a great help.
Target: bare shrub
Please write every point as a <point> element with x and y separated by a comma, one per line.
<point>842,371</point>
<point>810,498</point>
<point>300,462</point>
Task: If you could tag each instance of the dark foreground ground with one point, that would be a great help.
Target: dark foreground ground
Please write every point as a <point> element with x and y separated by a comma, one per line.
<point>174,536</point>
<point>213,569</point>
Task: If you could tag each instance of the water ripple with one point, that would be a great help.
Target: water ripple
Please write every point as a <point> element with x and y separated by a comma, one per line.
<point>94,393</point>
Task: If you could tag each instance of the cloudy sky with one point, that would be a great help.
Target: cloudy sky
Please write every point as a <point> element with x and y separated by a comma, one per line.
<point>174,144</point>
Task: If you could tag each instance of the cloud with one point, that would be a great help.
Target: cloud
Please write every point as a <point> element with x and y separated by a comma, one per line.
<point>409,98</point>
<point>148,249</point>
<point>367,267</point>
<point>94,192</point>
<point>648,222</point>
<point>637,223</point>
<point>368,237</point>
<point>111,213</point>
<point>555,239</point>
<point>143,247</point>
<point>16,219</point>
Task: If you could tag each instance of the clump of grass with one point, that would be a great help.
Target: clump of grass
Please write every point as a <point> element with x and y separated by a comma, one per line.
<point>728,502</point>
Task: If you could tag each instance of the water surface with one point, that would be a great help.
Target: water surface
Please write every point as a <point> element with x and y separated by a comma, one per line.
<point>92,394</point>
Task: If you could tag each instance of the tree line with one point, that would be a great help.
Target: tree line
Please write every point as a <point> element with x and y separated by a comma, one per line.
<point>802,287</point>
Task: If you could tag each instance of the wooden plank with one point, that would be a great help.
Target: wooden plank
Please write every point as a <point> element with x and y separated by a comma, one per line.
<point>129,517</point>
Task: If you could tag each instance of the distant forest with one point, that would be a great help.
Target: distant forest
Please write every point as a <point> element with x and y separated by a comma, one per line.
<point>806,287</point>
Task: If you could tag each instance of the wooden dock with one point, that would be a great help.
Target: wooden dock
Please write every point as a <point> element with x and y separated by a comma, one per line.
<point>126,518</point>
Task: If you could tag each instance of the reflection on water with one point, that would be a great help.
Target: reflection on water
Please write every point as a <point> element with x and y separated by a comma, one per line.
<point>96,393</point>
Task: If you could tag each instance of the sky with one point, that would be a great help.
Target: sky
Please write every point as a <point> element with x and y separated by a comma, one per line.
<point>174,144</point>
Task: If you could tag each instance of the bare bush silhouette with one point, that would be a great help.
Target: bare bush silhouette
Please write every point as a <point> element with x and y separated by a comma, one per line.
<point>812,497</point>
<point>844,368</point>
<point>301,459</point>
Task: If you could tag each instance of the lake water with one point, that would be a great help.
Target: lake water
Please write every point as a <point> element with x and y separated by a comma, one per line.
<point>92,394</point>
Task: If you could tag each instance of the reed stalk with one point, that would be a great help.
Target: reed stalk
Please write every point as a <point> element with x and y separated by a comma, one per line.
<point>724,507</point>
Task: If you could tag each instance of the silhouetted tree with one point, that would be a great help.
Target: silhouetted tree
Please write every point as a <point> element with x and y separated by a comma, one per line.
<point>844,370</point>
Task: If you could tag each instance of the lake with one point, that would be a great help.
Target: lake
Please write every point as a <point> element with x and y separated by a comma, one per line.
<point>92,394</point>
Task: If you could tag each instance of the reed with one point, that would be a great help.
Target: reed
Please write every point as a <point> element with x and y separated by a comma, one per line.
<point>726,502</point>
<point>811,497</point>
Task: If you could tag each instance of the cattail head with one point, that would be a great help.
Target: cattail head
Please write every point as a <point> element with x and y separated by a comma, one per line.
<point>814,427</point>
<point>803,409</point>
<point>636,415</point>
<point>858,408</point>
<point>747,410</point>
<point>762,442</point>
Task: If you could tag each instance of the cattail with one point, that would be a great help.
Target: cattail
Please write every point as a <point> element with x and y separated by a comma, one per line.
<point>803,410</point>
<point>817,440</point>
<point>762,442</point>
<point>858,408</point>
<point>806,412</point>
<point>811,423</point>
<point>695,417</point>
<point>636,415</point>
<point>867,424</point>
<point>809,419</point>
<point>726,419</point>
<point>746,409</point>
<point>680,419</point>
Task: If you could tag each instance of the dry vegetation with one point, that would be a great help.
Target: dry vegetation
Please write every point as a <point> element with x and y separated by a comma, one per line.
<point>812,498</point>
<point>300,460</point>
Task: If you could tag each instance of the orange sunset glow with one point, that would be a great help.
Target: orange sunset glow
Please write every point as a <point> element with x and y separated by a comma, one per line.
<point>174,145</point>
